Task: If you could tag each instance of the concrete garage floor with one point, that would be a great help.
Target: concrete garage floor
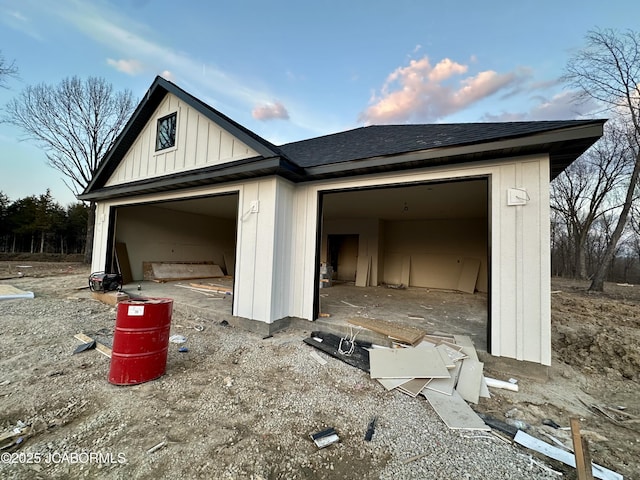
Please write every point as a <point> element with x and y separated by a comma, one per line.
<point>436,311</point>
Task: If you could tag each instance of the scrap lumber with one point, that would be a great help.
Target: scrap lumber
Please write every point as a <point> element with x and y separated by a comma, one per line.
<point>330,344</point>
<point>403,333</point>
<point>581,449</point>
<point>213,288</point>
<point>563,456</point>
<point>103,349</point>
<point>454,411</point>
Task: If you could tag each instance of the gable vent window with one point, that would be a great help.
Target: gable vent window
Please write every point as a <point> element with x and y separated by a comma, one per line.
<point>166,133</point>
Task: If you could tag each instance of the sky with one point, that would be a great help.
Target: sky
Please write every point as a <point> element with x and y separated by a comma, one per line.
<point>292,70</point>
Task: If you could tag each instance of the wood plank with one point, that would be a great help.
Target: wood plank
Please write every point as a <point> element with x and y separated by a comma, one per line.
<point>406,270</point>
<point>469,381</point>
<point>363,271</point>
<point>407,363</point>
<point>403,333</point>
<point>454,411</point>
<point>583,459</point>
<point>469,275</point>
<point>213,288</point>
<point>122,257</point>
<point>103,349</point>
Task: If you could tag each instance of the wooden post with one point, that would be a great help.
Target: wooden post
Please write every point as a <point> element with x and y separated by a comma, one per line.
<point>581,450</point>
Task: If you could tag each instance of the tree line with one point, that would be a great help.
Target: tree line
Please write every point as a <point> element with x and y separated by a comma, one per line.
<point>38,224</point>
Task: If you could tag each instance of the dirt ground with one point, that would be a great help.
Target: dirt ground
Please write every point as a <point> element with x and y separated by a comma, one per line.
<point>596,361</point>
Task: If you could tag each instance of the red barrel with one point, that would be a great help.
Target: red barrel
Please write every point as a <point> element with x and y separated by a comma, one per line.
<point>141,340</point>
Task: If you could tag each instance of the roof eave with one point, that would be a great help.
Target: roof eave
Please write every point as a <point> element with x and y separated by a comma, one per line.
<point>240,170</point>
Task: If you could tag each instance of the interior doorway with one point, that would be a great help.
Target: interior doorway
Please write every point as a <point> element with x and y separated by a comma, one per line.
<point>342,255</point>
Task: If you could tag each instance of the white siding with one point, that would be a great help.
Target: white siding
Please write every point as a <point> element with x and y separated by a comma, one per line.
<point>276,259</point>
<point>199,143</point>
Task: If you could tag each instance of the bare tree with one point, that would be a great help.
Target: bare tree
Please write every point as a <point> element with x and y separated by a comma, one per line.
<point>7,69</point>
<point>608,70</point>
<point>585,191</point>
<point>75,122</point>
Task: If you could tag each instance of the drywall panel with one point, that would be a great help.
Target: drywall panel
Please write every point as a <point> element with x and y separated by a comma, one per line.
<point>156,234</point>
<point>454,411</point>
<point>469,275</point>
<point>437,249</point>
<point>199,143</point>
<point>407,363</point>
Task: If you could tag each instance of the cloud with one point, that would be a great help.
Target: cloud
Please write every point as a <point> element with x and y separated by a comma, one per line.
<point>565,105</point>
<point>425,92</point>
<point>168,75</point>
<point>130,67</point>
<point>270,111</point>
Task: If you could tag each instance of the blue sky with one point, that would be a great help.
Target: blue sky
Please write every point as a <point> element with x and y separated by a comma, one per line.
<point>290,70</point>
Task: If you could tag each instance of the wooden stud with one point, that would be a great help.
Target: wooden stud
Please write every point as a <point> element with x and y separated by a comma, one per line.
<point>581,449</point>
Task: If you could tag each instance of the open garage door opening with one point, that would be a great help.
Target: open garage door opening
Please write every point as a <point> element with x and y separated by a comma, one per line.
<point>191,237</point>
<point>417,254</point>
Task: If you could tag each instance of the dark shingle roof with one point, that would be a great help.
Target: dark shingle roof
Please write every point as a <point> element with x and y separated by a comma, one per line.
<point>386,140</point>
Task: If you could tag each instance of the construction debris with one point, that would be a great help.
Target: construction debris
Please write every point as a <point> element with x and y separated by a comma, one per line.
<point>563,456</point>
<point>9,292</point>
<point>401,333</point>
<point>103,349</point>
<point>331,345</point>
<point>325,438</point>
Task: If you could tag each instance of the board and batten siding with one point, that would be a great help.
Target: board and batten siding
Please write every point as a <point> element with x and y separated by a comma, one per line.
<point>199,143</point>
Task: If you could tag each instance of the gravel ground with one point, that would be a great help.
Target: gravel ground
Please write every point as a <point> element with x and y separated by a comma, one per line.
<point>234,406</point>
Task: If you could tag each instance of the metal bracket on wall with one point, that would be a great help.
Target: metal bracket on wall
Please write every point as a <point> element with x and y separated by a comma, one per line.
<point>517,196</point>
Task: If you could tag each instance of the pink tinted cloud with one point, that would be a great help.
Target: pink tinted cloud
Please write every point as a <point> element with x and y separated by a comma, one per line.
<point>270,111</point>
<point>130,67</point>
<point>425,92</point>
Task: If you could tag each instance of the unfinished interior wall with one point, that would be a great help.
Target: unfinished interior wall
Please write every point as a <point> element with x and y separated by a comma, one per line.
<point>436,251</point>
<point>156,234</point>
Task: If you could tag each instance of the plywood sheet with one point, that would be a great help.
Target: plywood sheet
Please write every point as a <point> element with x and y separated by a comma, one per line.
<point>403,333</point>
<point>470,380</point>
<point>363,271</point>
<point>183,271</point>
<point>468,275</point>
<point>122,257</point>
<point>454,411</point>
<point>407,363</point>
